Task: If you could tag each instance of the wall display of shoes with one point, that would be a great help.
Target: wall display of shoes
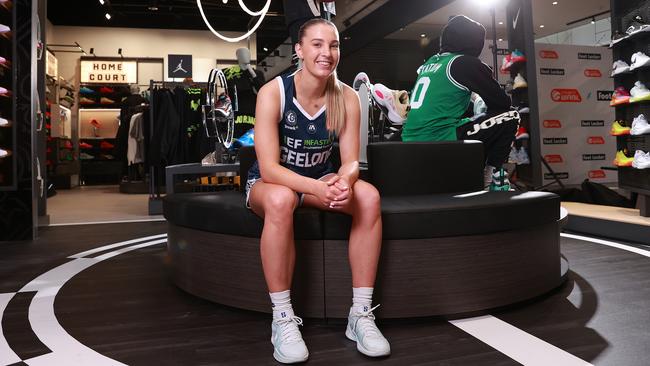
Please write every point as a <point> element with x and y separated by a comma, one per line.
<point>7,102</point>
<point>631,98</point>
<point>98,123</point>
<point>102,96</point>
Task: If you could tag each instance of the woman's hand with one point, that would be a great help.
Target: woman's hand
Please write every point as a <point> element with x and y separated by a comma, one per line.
<point>343,186</point>
<point>330,190</point>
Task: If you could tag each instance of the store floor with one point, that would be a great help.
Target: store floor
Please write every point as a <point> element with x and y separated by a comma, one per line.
<point>94,204</point>
<point>116,304</point>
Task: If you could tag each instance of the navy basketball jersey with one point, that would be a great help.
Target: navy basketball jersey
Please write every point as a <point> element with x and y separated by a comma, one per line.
<point>305,142</point>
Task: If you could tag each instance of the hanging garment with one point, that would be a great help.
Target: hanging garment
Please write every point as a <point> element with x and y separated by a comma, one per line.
<point>135,153</point>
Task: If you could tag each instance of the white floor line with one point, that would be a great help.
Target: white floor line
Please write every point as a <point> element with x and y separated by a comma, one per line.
<point>515,343</point>
<point>7,355</point>
<point>109,222</point>
<point>66,350</point>
<point>613,244</point>
<point>120,244</point>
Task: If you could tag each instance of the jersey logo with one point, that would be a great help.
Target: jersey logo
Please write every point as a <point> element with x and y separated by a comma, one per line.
<point>291,118</point>
<point>311,128</point>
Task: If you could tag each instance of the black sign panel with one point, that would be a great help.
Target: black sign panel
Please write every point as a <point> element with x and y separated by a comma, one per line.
<point>555,140</point>
<point>588,157</point>
<point>589,56</point>
<point>558,175</point>
<point>592,123</point>
<point>547,71</point>
<point>604,95</point>
<point>179,66</point>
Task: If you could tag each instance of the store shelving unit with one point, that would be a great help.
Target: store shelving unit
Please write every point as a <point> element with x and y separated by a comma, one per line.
<point>632,179</point>
<point>7,101</point>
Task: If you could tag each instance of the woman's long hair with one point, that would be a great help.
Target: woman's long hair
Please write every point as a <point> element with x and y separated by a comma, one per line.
<point>335,104</point>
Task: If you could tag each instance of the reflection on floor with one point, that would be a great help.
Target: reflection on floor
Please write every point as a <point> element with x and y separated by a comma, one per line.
<point>97,204</point>
<point>118,305</point>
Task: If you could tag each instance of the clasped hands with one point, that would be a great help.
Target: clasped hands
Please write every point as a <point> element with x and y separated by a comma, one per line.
<point>335,191</point>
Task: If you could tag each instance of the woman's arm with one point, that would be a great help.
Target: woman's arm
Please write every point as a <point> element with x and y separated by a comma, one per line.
<point>349,137</point>
<point>267,147</point>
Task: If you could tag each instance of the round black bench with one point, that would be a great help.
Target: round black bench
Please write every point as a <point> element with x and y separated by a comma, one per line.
<point>442,253</point>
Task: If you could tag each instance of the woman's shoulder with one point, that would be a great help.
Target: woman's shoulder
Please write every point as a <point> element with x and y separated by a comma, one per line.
<point>271,88</point>
<point>348,93</point>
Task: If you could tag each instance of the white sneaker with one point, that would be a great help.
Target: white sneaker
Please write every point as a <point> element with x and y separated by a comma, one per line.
<point>360,79</point>
<point>3,122</point>
<point>519,83</point>
<point>641,160</point>
<point>639,92</point>
<point>640,126</point>
<point>524,110</point>
<point>3,153</point>
<point>639,59</point>
<point>620,67</point>
<point>363,330</point>
<point>394,102</point>
<point>287,340</point>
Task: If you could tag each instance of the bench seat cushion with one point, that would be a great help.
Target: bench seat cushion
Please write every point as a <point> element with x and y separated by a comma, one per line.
<point>225,213</point>
<point>440,215</point>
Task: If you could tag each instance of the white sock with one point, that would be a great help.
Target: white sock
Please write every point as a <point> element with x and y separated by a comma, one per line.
<point>281,304</point>
<point>361,298</point>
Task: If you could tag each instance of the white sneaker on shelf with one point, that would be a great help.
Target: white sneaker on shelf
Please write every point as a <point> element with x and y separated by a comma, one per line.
<point>3,153</point>
<point>3,122</point>
<point>519,82</point>
<point>363,330</point>
<point>394,102</point>
<point>640,126</point>
<point>639,92</point>
<point>639,59</point>
<point>620,67</point>
<point>641,160</point>
<point>361,78</point>
<point>287,340</point>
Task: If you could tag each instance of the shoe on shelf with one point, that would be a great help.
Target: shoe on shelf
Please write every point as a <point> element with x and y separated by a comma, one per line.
<point>106,90</point>
<point>4,29</point>
<point>85,145</point>
<point>95,123</point>
<point>639,92</point>
<point>620,96</point>
<point>288,345</point>
<point>622,160</point>
<point>522,156</point>
<point>105,145</point>
<point>618,129</point>
<point>4,62</point>
<point>85,90</point>
<point>4,122</point>
<point>521,133</point>
<point>394,103</point>
<point>361,78</point>
<point>4,153</point>
<point>639,60</point>
<point>617,37</point>
<point>104,100</point>
<point>107,156</point>
<point>4,92</point>
<point>86,156</point>
<point>640,126</point>
<point>362,329</point>
<point>523,109</point>
<point>506,63</point>
<point>637,25</point>
<point>620,67</point>
<point>517,56</point>
<point>67,144</point>
<point>84,100</point>
<point>500,181</point>
<point>519,82</point>
<point>641,160</point>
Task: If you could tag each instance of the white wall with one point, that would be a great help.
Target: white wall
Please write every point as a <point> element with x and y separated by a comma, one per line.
<point>204,47</point>
<point>588,34</point>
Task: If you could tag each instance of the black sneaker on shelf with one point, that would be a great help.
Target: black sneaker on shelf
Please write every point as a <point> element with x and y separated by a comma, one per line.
<point>637,25</point>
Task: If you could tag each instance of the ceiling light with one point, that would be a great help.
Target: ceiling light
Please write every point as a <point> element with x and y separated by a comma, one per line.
<point>593,20</point>
<point>486,3</point>
<point>153,8</point>
<point>265,49</point>
<point>500,39</point>
<point>108,16</point>
<point>224,1</point>
<point>101,2</point>
<point>541,26</point>
<point>500,23</point>
<point>422,35</point>
<point>554,2</point>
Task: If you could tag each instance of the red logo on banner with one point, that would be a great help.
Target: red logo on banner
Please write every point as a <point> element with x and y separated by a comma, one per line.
<point>553,158</point>
<point>599,173</point>
<point>595,140</point>
<point>593,73</point>
<point>548,54</point>
<point>552,123</point>
<point>566,96</point>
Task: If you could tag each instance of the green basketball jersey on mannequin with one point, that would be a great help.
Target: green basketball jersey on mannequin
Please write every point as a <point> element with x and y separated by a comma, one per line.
<point>437,102</point>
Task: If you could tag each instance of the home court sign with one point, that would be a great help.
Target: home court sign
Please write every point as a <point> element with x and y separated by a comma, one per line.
<point>109,72</point>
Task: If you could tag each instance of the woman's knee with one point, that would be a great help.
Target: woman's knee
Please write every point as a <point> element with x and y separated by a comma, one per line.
<point>280,201</point>
<point>367,198</point>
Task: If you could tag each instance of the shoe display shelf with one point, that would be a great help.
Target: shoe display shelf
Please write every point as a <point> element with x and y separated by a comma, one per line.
<point>630,16</point>
<point>97,130</point>
<point>94,96</point>
<point>7,99</point>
